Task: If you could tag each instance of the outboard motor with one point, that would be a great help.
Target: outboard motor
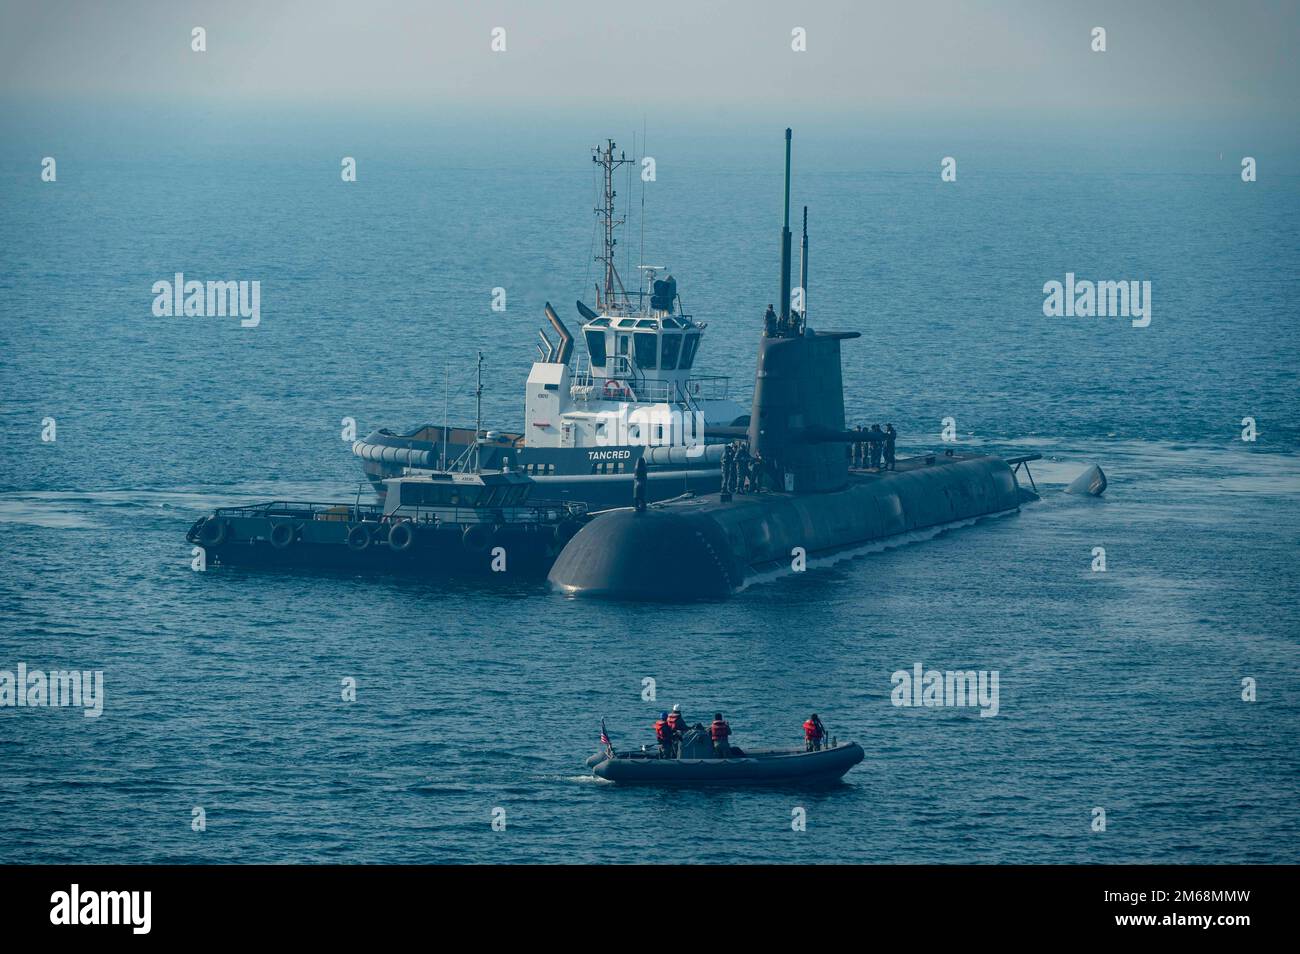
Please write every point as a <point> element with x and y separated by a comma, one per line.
<point>696,744</point>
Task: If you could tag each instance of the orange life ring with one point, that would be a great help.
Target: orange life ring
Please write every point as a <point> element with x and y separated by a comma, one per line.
<point>614,388</point>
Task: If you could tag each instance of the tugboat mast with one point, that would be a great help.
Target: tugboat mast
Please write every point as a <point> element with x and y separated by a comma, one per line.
<point>609,299</point>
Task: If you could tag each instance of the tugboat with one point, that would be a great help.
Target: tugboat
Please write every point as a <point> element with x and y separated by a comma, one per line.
<point>434,524</point>
<point>587,421</point>
<point>462,521</point>
<point>710,546</point>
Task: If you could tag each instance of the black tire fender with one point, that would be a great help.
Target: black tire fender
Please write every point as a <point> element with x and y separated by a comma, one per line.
<point>213,532</point>
<point>283,535</point>
<point>401,537</point>
<point>358,537</point>
<point>476,538</point>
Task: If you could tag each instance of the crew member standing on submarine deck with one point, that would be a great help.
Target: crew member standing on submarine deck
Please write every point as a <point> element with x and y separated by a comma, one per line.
<point>639,480</point>
<point>769,322</point>
<point>728,467</point>
<point>742,468</point>
<point>876,446</point>
<point>719,732</point>
<point>891,435</point>
<point>813,733</point>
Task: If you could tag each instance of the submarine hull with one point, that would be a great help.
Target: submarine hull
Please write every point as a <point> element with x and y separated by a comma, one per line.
<point>705,548</point>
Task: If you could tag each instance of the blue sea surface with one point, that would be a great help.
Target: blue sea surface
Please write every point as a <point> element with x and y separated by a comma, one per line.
<point>1119,690</point>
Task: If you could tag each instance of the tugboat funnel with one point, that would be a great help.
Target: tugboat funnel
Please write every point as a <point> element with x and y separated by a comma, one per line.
<point>564,350</point>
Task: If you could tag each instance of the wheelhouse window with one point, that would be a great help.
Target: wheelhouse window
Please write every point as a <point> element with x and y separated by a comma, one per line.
<point>672,348</point>
<point>688,352</point>
<point>596,347</point>
<point>647,351</point>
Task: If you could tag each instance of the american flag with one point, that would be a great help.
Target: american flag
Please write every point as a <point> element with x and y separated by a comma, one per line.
<point>604,737</point>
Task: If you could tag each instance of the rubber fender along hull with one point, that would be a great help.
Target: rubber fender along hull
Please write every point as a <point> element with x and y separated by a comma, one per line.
<point>822,767</point>
<point>706,549</point>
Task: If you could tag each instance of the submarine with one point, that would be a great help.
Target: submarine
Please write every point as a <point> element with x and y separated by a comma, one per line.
<point>709,546</point>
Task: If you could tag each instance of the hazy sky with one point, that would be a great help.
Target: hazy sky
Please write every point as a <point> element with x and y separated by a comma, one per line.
<point>1169,59</point>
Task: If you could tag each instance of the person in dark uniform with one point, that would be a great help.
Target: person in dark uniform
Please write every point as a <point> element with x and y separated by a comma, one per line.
<point>769,322</point>
<point>676,727</point>
<point>720,732</point>
<point>756,474</point>
<point>891,435</point>
<point>639,480</point>
<point>742,468</point>
<point>728,467</point>
<point>876,446</point>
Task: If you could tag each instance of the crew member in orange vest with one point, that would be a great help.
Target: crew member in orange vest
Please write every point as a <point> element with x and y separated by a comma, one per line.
<point>813,733</point>
<point>664,736</point>
<point>719,732</point>
<point>676,726</point>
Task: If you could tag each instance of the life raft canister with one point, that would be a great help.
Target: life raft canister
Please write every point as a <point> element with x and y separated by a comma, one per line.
<point>719,731</point>
<point>476,538</point>
<point>282,534</point>
<point>213,532</point>
<point>401,537</point>
<point>358,537</point>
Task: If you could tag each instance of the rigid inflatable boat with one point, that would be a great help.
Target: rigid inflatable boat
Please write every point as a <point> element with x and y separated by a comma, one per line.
<point>752,767</point>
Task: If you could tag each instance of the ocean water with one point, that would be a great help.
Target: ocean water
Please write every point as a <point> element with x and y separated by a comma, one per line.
<point>1118,690</point>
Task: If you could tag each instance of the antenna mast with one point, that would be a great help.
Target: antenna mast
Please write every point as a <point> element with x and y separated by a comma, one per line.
<point>803,276</point>
<point>446,396</point>
<point>784,314</point>
<point>613,283</point>
<point>478,414</point>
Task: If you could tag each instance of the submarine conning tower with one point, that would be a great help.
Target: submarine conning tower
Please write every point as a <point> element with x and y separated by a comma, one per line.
<point>797,420</point>
<point>796,423</point>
